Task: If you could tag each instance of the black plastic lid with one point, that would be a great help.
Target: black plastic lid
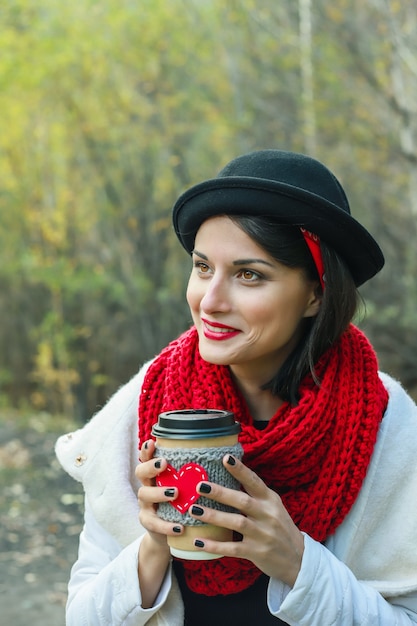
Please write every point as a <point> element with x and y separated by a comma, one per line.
<point>195,424</point>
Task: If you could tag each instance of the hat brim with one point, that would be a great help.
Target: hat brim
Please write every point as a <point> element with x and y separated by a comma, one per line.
<point>242,195</point>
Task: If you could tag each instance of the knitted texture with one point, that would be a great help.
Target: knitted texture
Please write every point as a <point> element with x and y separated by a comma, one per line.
<point>314,455</point>
<point>211,460</point>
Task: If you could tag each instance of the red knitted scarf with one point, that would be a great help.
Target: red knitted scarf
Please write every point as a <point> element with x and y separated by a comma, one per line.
<point>315,455</point>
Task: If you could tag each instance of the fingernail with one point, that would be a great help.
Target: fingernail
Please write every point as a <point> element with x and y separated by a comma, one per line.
<point>198,543</point>
<point>169,492</point>
<point>157,464</point>
<point>176,529</point>
<point>205,488</point>
<point>231,460</point>
<point>197,510</point>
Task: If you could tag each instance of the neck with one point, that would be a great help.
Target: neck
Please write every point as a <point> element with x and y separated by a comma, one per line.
<point>261,403</point>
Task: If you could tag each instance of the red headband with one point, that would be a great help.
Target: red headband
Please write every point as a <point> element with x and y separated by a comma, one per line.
<point>313,242</point>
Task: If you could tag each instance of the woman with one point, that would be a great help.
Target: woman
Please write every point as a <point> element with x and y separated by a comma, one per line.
<point>326,521</point>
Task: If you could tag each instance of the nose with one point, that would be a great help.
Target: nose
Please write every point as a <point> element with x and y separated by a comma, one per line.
<point>216,297</point>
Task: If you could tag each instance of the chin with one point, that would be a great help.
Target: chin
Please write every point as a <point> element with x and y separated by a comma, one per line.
<point>213,356</point>
<point>215,360</point>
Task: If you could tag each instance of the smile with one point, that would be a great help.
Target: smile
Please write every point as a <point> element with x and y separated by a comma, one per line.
<point>218,332</point>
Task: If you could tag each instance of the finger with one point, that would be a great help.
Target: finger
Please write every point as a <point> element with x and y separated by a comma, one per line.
<point>234,498</point>
<point>222,548</point>
<point>149,497</point>
<point>147,450</point>
<point>252,484</point>
<point>224,495</point>
<point>153,495</point>
<point>154,524</point>
<point>233,521</point>
<point>148,470</point>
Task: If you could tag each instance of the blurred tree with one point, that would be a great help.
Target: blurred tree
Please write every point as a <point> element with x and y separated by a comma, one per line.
<point>378,40</point>
<point>110,109</point>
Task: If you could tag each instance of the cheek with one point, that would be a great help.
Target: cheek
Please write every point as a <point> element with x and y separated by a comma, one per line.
<point>277,315</point>
<point>192,296</point>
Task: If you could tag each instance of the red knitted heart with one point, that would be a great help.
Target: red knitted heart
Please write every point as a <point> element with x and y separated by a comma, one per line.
<point>186,480</point>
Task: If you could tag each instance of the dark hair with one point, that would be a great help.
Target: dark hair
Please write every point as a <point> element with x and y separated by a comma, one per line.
<point>340,299</point>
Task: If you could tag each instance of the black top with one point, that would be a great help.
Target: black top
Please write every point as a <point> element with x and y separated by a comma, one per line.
<point>245,608</point>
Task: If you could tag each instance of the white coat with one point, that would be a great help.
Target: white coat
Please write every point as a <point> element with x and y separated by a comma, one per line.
<point>364,575</point>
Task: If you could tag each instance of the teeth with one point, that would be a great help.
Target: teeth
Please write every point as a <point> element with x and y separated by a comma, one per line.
<point>216,329</point>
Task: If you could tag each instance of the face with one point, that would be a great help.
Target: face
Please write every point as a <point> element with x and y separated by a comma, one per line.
<point>247,307</point>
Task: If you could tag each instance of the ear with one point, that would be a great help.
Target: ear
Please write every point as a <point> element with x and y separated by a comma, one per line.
<point>314,301</point>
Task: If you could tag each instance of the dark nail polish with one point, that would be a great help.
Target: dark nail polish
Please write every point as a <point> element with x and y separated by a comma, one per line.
<point>158,464</point>
<point>205,488</point>
<point>198,543</point>
<point>197,510</point>
<point>231,460</point>
<point>176,529</point>
<point>169,492</point>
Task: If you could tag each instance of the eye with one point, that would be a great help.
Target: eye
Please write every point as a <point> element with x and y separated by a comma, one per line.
<point>249,275</point>
<point>202,268</point>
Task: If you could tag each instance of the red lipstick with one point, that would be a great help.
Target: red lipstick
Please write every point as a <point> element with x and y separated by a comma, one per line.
<point>217,331</point>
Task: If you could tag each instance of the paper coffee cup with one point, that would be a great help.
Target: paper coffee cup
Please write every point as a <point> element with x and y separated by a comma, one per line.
<point>194,442</point>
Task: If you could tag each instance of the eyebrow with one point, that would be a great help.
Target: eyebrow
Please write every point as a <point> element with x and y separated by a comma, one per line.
<point>248,261</point>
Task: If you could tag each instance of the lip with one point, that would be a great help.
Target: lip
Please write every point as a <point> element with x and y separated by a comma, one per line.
<point>217,331</point>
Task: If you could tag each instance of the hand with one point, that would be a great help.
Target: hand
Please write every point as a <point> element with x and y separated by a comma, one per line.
<point>154,555</point>
<point>270,539</point>
<point>149,496</point>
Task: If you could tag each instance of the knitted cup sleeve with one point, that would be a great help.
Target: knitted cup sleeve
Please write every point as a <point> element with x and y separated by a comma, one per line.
<point>211,460</point>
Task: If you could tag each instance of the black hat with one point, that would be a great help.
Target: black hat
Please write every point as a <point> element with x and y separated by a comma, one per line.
<point>292,187</point>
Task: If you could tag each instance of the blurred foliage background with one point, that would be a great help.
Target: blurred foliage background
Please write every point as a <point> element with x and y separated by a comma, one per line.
<point>110,108</point>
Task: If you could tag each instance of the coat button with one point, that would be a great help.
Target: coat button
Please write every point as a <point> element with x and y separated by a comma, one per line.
<point>80,460</point>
